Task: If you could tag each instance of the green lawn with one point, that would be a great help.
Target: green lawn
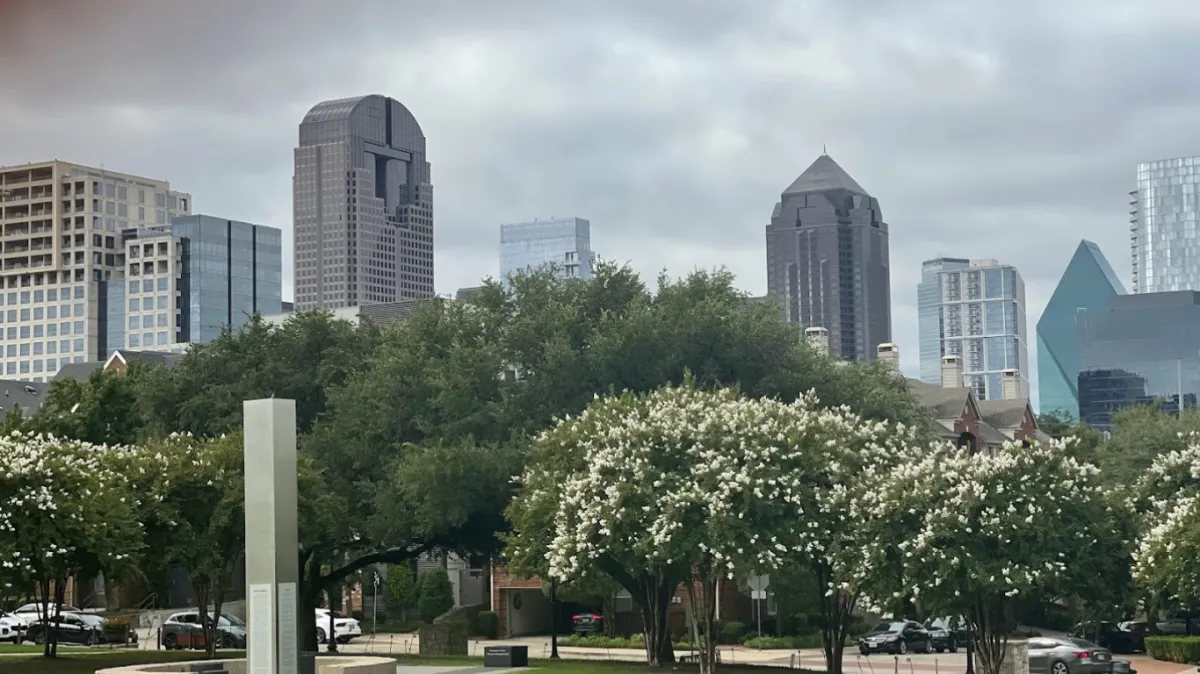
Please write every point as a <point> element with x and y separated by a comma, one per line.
<point>88,662</point>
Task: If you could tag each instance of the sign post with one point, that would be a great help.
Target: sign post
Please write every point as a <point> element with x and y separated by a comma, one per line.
<point>758,592</point>
<point>272,560</point>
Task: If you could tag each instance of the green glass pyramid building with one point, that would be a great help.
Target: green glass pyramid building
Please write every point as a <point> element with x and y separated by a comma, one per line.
<point>1086,285</point>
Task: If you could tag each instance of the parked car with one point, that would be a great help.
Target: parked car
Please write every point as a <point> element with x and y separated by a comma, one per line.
<point>897,638</point>
<point>72,628</point>
<point>10,627</point>
<point>587,623</point>
<point>344,629</point>
<point>31,612</point>
<point>1068,655</point>
<point>184,630</point>
<point>1112,636</point>
<point>947,634</point>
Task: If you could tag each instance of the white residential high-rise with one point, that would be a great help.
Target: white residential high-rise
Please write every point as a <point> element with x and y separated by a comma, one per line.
<point>1164,216</point>
<point>62,232</point>
<point>973,309</point>
<point>562,243</point>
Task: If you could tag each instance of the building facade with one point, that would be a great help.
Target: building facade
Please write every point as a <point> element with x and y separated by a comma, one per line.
<point>827,260</point>
<point>1165,225</point>
<point>62,243</point>
<point>975,311</point>
<point>1142,349</point>
<point>1087,284</point>
<point>561,244</point>
<point>363,205</point>
<point>929,315</point>
<point>185,283</point>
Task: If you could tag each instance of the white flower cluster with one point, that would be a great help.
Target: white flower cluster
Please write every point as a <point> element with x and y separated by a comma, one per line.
<point>1165,559</point>
<point>62,501</point>
<point>980,525</point>
<point>688,479</point>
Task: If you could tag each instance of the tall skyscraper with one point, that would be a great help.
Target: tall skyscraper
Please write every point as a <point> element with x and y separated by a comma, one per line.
<point>565,244</point>
<point>184,283</point>
<point>363,205</point>
<point>973,309</point>
<point>62,225</point>
<point>827,260</point>
<point>1087,285</point>
<point>1164,221</point>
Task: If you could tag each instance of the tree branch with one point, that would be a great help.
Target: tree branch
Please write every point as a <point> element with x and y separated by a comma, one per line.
<point>390,556</point>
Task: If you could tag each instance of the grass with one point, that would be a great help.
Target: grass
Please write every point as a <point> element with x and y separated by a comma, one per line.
<point>88,662</point>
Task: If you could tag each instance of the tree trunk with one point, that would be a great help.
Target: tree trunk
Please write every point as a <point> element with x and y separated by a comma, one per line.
<point>836,608</point>
<point>991,620</point>
<point>610,615</point>
<point>335,605</point>
<point>60,593</point>
<point>47,625</point>
<point>203,589</point>
<point>310,588</point>
<point>703,595</point>
<point>653,596</point>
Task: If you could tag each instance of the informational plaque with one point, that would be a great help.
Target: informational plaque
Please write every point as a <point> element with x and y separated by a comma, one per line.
<point>260,646</point>
<point>288,650</point>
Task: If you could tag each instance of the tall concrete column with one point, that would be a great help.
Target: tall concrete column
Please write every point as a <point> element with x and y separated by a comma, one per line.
<point>272,544</point>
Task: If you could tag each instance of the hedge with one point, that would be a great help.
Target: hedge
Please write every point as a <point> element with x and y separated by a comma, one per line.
<point>1184,650</point>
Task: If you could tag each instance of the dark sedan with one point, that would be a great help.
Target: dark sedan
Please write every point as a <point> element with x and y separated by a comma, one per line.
<point>897,638</point>
<point>1112,637</point>
<point>71,628</point>
<point>947,634</point>
<point>587,623</point>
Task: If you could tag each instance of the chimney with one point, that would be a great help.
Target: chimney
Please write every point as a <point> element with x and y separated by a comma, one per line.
<point>952,372</point>
<point>889,354</point>
<point>1010,385</point>
<point>818,339</point>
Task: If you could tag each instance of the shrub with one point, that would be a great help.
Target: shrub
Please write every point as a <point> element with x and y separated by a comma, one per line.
<point>358,615</point>
<point>436,595</point>
<point>784,643</point>
<point>732,632</point>
<point>487,624</point>
<point>596,641</point>
<point>1184,650</point>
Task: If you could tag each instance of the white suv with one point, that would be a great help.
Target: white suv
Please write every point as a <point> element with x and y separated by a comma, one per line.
<point>11,626</point>
<point>344,629</point>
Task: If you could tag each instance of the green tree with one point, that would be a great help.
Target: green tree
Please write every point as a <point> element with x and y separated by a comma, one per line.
<point>302,359</point>
<point>436,595</point>
<point>66,511</point>
<point>1141,435</point>
<point>102,409</point>
<point>401,591</point>
<point>14,420</point>
<point>994,530</point>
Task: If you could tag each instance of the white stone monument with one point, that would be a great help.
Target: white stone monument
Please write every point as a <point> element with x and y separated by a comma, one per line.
<point>272,544</point>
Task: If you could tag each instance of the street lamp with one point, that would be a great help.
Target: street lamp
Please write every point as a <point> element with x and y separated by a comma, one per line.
<point>553,619</point>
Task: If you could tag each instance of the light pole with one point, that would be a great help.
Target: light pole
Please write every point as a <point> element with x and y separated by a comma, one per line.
<point>553,619</point>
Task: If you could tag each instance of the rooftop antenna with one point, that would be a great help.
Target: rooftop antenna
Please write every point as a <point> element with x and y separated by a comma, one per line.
<point>824,151</point>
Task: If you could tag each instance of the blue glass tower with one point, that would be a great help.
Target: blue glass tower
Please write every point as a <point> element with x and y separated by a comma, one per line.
<point>1087,285</point>
<point>563,244</point>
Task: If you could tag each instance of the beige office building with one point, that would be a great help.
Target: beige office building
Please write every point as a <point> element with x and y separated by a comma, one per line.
<point>61,242</point>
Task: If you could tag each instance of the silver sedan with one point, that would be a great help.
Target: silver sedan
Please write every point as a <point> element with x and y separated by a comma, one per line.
<point>1048,655</point>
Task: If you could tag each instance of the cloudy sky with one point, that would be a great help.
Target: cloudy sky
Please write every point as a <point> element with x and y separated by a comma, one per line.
<point>986,128</point>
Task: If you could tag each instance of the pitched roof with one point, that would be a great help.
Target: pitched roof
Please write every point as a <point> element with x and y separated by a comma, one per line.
<point>78,371</point>
<point>1003,414</point>
<point>148,357</point>
<point>944,403</point>
<point>824,174</point>
<point>28,395</point>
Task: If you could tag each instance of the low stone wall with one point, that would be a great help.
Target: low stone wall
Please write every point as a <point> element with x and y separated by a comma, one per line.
<point>447,638</point>
<point>349,664</point>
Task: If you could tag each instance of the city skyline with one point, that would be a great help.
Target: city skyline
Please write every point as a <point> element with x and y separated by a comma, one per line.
<point>970,142</point>
<point>564,244</point>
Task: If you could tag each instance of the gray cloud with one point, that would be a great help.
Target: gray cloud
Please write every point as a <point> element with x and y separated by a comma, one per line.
<point>1003,129</point>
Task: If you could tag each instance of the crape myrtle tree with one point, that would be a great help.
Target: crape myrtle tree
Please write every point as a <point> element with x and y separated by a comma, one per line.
<point>1167,498</point>
<point>691,486</point>
<point>992,530</point>
<point>65,512</point>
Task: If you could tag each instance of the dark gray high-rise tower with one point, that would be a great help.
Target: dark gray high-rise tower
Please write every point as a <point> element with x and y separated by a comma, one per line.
<point>827,260</point>
<point>363,205</point>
